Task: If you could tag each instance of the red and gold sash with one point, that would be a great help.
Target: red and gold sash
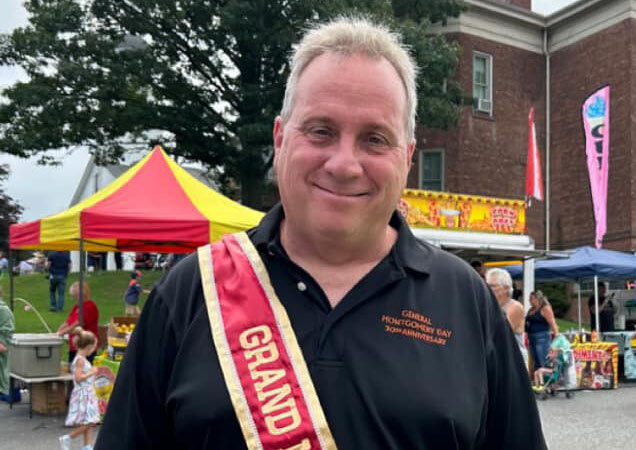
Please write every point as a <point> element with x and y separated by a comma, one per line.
<point>264,369</point>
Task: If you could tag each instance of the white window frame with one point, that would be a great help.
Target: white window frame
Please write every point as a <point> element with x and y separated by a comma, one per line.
<point>420,161</point>
<point>489,81</point>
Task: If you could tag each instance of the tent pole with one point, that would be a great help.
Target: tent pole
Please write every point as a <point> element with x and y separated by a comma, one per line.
<point>579,298</point>
<point>10,279</point>
<point>596,301</point>
<point>82,258</point>
<point>528,282</point>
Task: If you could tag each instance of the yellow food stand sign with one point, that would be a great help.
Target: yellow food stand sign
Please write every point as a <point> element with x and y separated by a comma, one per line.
<point>461,212</point>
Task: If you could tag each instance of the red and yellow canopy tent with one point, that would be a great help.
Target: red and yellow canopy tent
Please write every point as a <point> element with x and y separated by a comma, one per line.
<point>155,205</point>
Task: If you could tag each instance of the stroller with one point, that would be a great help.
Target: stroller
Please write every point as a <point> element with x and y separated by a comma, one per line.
<point>563,376</point>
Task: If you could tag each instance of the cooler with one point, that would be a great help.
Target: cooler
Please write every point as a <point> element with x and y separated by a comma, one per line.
<point>35,355</point>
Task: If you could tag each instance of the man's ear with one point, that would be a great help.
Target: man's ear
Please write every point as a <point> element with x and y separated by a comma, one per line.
<point>410,149</point>
<point>278,135</point>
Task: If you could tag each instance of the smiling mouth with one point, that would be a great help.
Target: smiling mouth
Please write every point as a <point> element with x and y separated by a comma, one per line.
<point>340,194</point>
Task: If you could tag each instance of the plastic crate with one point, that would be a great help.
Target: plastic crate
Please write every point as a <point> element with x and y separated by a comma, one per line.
<point>34,355</point>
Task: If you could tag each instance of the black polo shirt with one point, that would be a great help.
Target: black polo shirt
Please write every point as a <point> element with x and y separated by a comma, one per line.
<point>416,356</point>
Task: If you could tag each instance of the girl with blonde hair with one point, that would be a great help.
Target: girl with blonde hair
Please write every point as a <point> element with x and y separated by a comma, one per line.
<point>83,407</point>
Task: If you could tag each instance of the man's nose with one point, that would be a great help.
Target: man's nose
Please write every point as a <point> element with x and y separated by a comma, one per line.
<point>344,159</point>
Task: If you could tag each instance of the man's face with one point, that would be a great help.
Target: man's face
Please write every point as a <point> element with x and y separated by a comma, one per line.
<point>502,293</point>
<point>343,157</point>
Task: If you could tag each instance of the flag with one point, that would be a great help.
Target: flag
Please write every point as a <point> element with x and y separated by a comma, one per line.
<point>596,123</point>
<point>534,180</point>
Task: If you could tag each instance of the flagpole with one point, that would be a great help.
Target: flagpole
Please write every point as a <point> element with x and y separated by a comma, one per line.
<point>547,139</point>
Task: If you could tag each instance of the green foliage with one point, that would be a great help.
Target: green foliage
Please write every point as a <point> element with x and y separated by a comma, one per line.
<point>107,290</point>
<point>557,296</point>
<point>9,210</point>
<point>204,78</point>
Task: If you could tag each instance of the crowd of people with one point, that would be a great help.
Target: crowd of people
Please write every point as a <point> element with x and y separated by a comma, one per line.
<point>538,323</point>
<point>546,352</point>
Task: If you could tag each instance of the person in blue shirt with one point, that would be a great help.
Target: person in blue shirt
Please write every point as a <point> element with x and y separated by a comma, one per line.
<point>134,289</point>
<point>59,265</point>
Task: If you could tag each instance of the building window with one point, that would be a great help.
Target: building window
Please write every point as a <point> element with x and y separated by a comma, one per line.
<point>482,82</point>
<point>432,170</point>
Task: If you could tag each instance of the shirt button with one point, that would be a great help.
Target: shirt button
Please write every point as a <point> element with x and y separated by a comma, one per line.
<point>302,287</point>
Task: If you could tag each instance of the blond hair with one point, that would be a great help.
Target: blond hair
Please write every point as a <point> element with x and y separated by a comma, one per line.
<point>86,291</point>
<point>539,295</point>
<point>351,35</point>
<point>83,338</point>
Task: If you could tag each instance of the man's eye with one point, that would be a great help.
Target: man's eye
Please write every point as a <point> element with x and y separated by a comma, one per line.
<point>376,140</point>
<point>319,132</point>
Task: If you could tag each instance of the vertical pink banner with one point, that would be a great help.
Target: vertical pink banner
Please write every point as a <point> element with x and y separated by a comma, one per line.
<point>596,122</point>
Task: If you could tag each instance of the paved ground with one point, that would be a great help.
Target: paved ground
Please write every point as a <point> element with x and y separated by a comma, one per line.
<point>604,420</point>
<point>18,432</point>
<point>601,420</point>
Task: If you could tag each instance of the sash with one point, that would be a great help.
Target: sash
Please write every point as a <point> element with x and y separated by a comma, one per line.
<point>269,384</point>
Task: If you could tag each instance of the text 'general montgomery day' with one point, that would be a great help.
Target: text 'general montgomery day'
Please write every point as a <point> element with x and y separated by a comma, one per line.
<point>416,325</point>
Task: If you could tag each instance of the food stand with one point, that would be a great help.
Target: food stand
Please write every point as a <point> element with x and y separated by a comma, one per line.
<point>596,364</point>
<point>460,212</point>
<point>472,226</point>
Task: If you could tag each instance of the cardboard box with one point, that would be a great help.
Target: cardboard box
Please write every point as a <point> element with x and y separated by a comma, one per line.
<point>113,332</point>
<point>102,336</point>
<point>117,337</point>
<point>49,397</point>
<point>35,354</point>
<point>118,340</point>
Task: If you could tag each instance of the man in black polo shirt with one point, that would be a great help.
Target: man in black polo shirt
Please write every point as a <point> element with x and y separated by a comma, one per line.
<point>59,264</point>
<point>405,345</point>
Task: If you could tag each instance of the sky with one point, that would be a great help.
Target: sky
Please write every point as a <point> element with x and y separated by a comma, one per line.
<point>44,190</point>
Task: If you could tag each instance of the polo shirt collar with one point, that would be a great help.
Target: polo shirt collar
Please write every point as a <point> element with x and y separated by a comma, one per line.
<point>409,252</point>
<point>268,228</point>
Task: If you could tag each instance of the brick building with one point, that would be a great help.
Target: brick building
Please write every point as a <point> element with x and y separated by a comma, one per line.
<point>514,59</point>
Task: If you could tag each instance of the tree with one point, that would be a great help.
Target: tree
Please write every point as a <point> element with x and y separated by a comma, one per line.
<point>9,210</point>
<point>204,78</point>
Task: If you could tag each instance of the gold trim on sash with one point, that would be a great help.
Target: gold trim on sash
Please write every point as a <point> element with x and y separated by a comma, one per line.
<point>319,421</point>
<point>287,337</point>
<point>241,408</point>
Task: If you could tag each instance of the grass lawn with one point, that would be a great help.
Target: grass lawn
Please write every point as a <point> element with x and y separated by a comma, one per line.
<point>107,291</point>
<point>565,325</point>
